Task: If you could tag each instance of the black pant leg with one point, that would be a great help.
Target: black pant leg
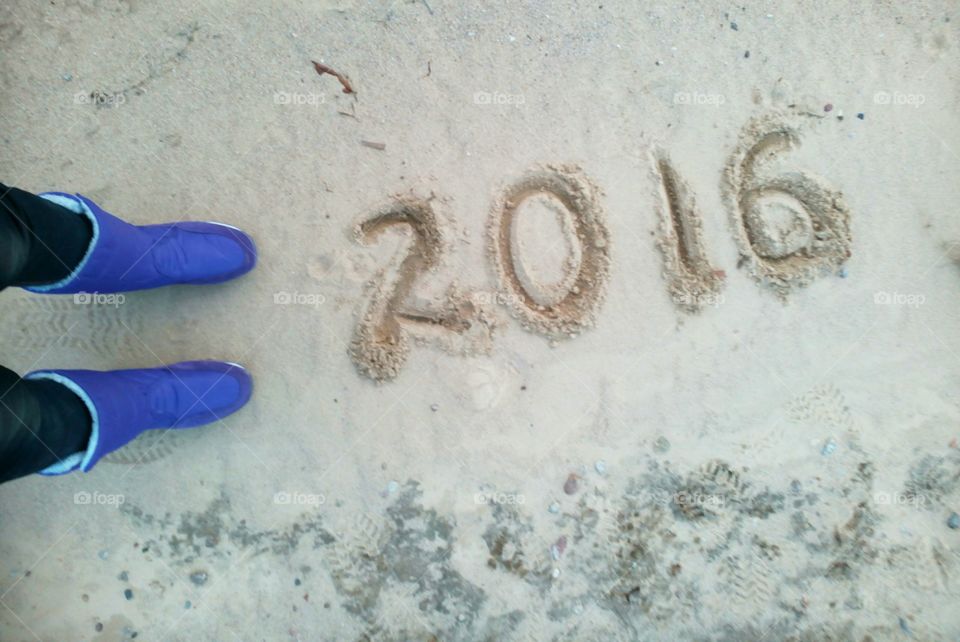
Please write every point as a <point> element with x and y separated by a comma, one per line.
<point>40,242</point>
<point>41,423</point>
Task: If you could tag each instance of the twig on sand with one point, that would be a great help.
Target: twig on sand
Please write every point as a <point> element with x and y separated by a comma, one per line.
<point>367,143</point>
<point>806,112</point>
<point>427,5</point>
<point>323,69</point>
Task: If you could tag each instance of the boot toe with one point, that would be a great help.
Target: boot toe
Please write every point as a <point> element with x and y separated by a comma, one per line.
<point>214,390</point>
<point>202,253</point>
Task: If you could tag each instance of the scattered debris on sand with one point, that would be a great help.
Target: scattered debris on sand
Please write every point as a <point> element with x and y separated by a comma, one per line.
<point>323,69</point>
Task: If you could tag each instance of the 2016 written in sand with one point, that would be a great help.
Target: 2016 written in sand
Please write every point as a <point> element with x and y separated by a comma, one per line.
<point>790,228</point>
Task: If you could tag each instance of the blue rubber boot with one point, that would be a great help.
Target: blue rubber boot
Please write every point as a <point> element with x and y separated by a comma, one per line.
<point>124,257</point>
<point>124,403</point>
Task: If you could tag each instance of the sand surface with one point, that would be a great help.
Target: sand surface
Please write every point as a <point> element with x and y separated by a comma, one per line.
<point>575,321</point>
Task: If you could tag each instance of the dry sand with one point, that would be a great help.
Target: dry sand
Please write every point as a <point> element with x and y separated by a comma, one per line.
<point>641,342</point>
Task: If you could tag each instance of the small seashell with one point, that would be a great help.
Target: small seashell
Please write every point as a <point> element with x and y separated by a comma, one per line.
<point>570,486</point>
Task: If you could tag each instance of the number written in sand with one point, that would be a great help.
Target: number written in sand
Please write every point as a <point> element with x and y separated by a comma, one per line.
<point>381,341</point>
<point>562,309</point>
<point>790,228</point>
<point>692,281</point>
